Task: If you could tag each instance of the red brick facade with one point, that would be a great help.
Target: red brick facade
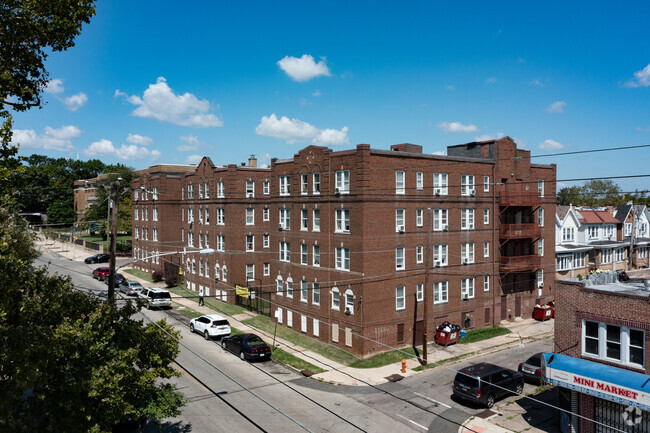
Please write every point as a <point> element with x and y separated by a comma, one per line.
<point>360,198</point>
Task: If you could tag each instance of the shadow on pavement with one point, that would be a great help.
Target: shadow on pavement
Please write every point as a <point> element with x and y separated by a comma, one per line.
<point>527,414</point>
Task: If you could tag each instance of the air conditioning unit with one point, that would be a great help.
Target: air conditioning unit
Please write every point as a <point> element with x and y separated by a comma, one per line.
<point>337,192</point>
<point>445,227</point>
<point>437,192</point>
<point>465,261</point>
<point>472,192</point>
<point>465,298</point>
<point>249,195</point>
<point>436,263</point>
<point>471,226</point>
<point>280,227</point>
<point>540,285</point>
<point>400,229</point>
<point>347,311</point>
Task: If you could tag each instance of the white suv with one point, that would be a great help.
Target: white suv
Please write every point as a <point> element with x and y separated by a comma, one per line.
<point>210,326</point>
<point>156,297</point>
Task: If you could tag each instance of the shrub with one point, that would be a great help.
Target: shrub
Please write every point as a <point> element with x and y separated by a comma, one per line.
<point>171,280</point>
<point>157,276</point>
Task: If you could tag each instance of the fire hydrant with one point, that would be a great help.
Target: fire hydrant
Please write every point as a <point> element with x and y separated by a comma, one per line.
<point>403,365</point>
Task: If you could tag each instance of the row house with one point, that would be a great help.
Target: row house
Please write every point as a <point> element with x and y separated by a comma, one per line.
<point>336,242</point>
<point>635,219</point>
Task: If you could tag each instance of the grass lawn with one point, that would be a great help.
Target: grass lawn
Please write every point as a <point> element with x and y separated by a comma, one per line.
<point>385,358</point>
<point>219,306</point>
<point>299,364</point>
<point>99,240</point>
<point>483,334</point>
<point>265,323</point>
<point>140,274</point>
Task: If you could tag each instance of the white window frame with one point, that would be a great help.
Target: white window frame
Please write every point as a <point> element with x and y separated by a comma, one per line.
<point>467,252</point>
<point>289,290</point>
<point>304,291</point>
<point>285,185</point>
<point>540,187</point>
<point>304,254</point>
<point>419,292</point>
<point>400,220</point>
<point>285,219</point>
<point>316,255</point>
<point>419,180</point>
<point>266,214</point>
<point>568,234</point>
<point>440,292</point>
<point>348,298</point>
<point>342,255</point>
<point>304,219</point>
<point>624,342</point>
<point>400,298</point>
<point>250,243</point>
<point>250,189</point>
<point>304,184</point>
<point>486,217</point>
<point>250,216</point>
<point>564,262</point>
<point>419,217</point>
<point>578,260</point>
<point>221,189</point>
<point>486,183</point>
<point>486,283</point>
<point>266,240</point>
<point>279,287</point>
<point>221,216</point>
<point>440,255</point>
<point>315,293</point>
<point>606,256</point>
<point>467,219</point>
<point>267,269</point>
<point>400,182</point>
<point>342,221</point>
<point>400,260</point>
<point>336,299</point>
<point>419,254</point>
<point>266,187</point>
<point>315,220</point>
<point>316,183</point>
<point>467,184</point>
<point>467,288</point>
<point>440,220</point>
<point>221,243</point>
<point>486,249</point>
<point>441,183</point>
<point>619,254</point>
<point>540,217</point>
<point>540,247</point>
<point>285,251</point>
<point>343,181</point>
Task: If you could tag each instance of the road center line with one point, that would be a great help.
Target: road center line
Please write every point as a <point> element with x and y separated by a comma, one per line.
<point>412,422</point>
<point>430,399</point>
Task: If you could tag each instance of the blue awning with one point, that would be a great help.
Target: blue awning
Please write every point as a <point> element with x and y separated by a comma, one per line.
<point>600,380</point>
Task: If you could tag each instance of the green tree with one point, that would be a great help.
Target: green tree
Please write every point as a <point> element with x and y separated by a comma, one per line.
<point>597,192</point>
<point>570,194</point>
<point>70,362</point>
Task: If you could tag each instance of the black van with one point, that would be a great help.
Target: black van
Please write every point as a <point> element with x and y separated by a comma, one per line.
<point>484,383</point>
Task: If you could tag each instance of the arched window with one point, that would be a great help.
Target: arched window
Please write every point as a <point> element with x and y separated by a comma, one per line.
<point>349,302</point>
<point>217,272</point>
<point>224,273</point>
<point>336,298</point>
<point>279,286</point>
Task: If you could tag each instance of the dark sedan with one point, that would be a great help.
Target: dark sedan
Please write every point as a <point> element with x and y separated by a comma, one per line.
<point>532,368</point>
<point>98,258</point>
<point>119,279</point>
<point>248,346</point>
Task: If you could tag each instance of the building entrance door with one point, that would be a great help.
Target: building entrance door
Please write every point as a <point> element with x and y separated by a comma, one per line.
<point>504,307</point>
<point>517,304</point>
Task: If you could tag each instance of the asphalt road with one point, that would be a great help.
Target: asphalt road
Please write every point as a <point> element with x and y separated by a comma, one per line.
<point>230,395</point>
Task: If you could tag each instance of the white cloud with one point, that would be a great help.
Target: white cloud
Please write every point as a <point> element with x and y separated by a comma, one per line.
<point>142,140</point>
<point>193,159</point>
<point>304,68</point>
<point>438,152</point>
<point>551,145</point>
<point>75,102</point>
<point>192,141</point>
<point>265,160</point>
<point>642,78</point>
<point>295,130</point>
<point>537,83</point>
<point>457,127</point>
<point>450,87</point>
<point>159,102</point>
<point>491,80</point>
<point>487,137</point>
<point>556,107</point>
<point>126,152</point>
<point>639,129</point>
<point>52,139</point>
<point>304,102</point>
<point>54,86</point>
<point>316,93</point>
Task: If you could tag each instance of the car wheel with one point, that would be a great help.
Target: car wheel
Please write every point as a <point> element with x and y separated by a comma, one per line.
<point>206,335</point>
<point>93,261</point>
<point>148,306</point>
<point>191,327</point>
<point>242,355</point>
<point>520,388</point>
<point>489,401</point>
<point>223,345</point>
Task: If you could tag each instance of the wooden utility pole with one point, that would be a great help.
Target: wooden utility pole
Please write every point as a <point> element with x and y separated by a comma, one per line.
<point>111,272</point>
<point>425,299</point>
<point>630,257</point>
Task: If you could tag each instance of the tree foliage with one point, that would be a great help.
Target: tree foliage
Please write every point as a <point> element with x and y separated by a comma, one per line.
<point>70,362</point>
<point>598,192</point>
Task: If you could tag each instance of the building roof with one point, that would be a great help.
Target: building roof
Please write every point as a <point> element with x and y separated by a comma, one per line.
<point>590,216</point>
<point>561,211</point>
<point>622,211</point>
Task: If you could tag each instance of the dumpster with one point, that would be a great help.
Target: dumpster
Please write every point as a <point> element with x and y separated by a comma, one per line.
<point>552,305</point>
<point>543,312</point>
<point>447,334</point>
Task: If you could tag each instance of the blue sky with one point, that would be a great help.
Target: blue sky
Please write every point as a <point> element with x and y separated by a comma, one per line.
<point>162,82</point>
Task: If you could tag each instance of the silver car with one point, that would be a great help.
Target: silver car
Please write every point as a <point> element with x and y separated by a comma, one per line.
<point>130,287</point>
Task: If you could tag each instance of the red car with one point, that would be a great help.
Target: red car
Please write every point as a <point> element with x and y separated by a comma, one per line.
<point>100,273</point>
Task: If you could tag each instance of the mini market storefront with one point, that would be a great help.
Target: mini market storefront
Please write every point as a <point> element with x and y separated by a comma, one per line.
<point>615,399</point>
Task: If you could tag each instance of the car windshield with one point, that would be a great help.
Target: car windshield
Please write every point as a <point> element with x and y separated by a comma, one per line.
<point>472,382</point>
<point>254,341</point>
<point>220,322</point>
<point>160,295</point>
<point>535,361</point>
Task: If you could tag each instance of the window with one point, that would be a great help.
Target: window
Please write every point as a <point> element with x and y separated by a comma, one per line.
<point>267,269</point>
<point>265,240</point>
<point>540,278</point>
<point>303,291</point>
<point>628,229</point>
<point>289,287</point>
<point>540,217</point>
<point>486,217</point>
<point>304,257</point>
<point>316,183</point>
<point>467,219</point>
<point>343,181</point>
<point>486,249</point>
<point>486,183</point>
<point>155,234</point>
<point>336,298</point>
<point>440,292</point>
<point>419,254</point>
<point>207,190</point>
<point>419,292</point>
<point>467,185</point>
<point>619,253</point>
<point>419,217</point>
<point>250,189</point>
<point>564,263</point>
<point>217,272</point>
<point>467,252</point>
<point>135,214</point>
<point>221,243</point>
<point>285,185</point>
<point>316,255</point>
<point>399,183</point>
<point>578,260</point>
<point>486,283</point>
<point>400,298</point>
<point>316,220</point>
<point>137,233</point>
<point>419,180</point>
<point>568,234</point>
<point>592,230</point>
<point>440,221</point>
<point>342,258</point>
<point>343,220</point>
<point>221,216</point>
<point>643,252</point>
<point>250,216</point>
<point>349,302</point>
<point>221,189</point>
<point>467,288</point>
<point>136,194</point>
<point>190,239</point>
<point>399,259</point>
<point>285,251</point>
<point>207,215</point>
<point>250,272</point>
<point>250,243</point>
<point>304,220</point>
<point>279,314</point>
<point>540,247</point>
<point>540,187</point>
<point>315,328</point>
<point>304,184</point>
<point>290,318</point>
<point>265,187</point>
<point>440,255</point>
<point>207,240</point>
<point>285,219</point>
<point>265,214</point>
<point>606,256</point>
<point>399,220</point>
<point>315,293</point>
<point>613,343</point>
<point>190,215</point>
<point>440,186</point>
<point>190,191</point>
<point>279,289</point>
<point>200,190</point>
<point>608,231</point>
<point>303,323</point>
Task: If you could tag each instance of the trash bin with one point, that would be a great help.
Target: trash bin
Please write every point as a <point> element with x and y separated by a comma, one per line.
<point>542,312</point>
<point>447,334</point>
<point>463,333</point>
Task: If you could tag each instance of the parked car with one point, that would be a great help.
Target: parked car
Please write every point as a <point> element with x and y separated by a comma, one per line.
<point>118,279</point>
<point>210,326</point>
<point>532,368</point>
<point>100,273</point>
<point>155,297</point>
<point>98,258</point>
<point>484,383</point>
<point>130,287</point>
<point>102,294</point>
<point>248,346</point>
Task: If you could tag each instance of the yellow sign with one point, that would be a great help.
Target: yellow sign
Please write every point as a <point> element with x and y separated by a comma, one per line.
<point>180,271</point>
<point>241,291</point>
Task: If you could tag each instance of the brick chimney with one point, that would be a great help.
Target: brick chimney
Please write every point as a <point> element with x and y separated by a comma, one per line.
<point>252,161</point>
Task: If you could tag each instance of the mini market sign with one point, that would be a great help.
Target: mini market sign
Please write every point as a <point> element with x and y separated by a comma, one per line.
<point>602,381</point>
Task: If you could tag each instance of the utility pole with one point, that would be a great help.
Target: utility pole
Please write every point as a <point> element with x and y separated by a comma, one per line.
<point>426,289</point>
<point>630,257</point>
<point>111,272</point>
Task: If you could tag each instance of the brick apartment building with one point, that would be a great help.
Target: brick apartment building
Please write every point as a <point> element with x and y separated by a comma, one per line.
<point>336,241</point>
<point>601,359</point>
<point>85,192</point>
